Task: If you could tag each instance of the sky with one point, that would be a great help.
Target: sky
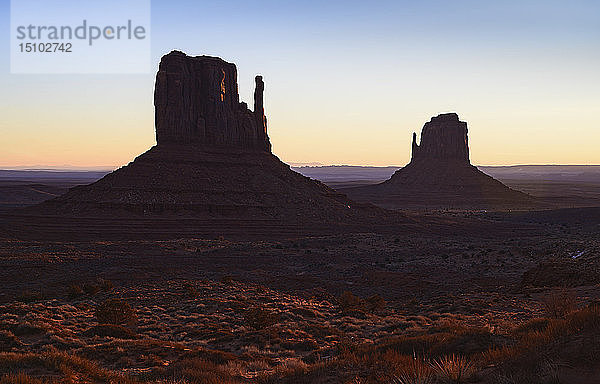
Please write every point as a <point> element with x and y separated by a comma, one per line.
<point>347,82</point>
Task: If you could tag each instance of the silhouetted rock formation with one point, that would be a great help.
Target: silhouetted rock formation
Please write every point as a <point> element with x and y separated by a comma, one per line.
<point>212,160</point>
<point>442,138</point>
<point>440,175</point>
<point>197,101</point>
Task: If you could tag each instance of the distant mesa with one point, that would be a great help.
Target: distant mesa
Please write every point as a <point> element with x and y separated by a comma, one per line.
<point>440,175</point>
<point>212,160</point>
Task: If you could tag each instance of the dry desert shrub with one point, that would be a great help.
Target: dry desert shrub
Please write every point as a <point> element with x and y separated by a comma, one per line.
<point>348,302</point>
<point>356,380</point>
<point>115,311</point>
<point>375,303</point>
<point>560,273</point>
<point>191,291</point>
<point>74,291</point>
<point>560,303</point>
<point>532,359</point>
<point>454,369</point>
<point>537,372</point>
<point>227,280</point>
<point>26,328</point>
<point>89,288</point>
<point>105,285</point>
<point>417,371</point>
<point>291,366</point>
<point>444,340</point>
<point>533,325</point>
<point>8,340</point>
<point>588,317</point>
<point>198,370</point>
<point>295,371</point>
<point>259,318</point>
<point>323,330</point>
<point>69,367</point>
<point>302,345</point>
<point>19,378</point>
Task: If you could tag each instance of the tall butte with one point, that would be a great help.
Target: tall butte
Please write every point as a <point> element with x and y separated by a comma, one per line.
<point>212,160</point>
<point>197,102</point>
<point>440,175</point>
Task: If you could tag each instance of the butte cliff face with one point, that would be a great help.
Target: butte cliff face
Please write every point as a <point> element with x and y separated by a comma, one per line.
<point>440,175</point>
<point>212,161</point>
<point>196,101</point>
<point>443,138</point>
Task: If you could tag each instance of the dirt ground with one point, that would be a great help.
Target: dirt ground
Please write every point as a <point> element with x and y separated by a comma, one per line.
<point>283,310</point>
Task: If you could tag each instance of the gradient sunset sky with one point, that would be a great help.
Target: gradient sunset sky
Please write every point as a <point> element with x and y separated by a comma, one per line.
<point>347,82</point>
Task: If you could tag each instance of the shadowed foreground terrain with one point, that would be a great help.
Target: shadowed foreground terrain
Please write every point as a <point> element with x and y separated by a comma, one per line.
<point>515,305</point>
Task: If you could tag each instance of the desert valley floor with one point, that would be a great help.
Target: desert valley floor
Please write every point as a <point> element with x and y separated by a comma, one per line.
<point>512,297</point>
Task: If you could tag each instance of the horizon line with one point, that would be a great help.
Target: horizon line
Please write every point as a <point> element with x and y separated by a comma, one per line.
<point>67,168</point>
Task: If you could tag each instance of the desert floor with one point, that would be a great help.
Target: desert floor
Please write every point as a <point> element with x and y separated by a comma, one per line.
<point>513,305</point>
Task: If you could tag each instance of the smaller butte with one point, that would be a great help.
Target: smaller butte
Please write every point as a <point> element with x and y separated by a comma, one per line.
<point>441,176</point>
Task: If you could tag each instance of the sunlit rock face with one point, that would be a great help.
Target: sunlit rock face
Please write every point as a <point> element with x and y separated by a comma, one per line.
<point>444,137</point>
<point>197,102</point>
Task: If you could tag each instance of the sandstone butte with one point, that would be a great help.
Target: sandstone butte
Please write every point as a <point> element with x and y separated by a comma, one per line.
<point>212,159</point>
<point>441,176</point>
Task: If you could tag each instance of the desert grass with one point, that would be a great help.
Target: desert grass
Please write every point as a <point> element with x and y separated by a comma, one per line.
<point>454,369</point>
<point>55,365</point>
